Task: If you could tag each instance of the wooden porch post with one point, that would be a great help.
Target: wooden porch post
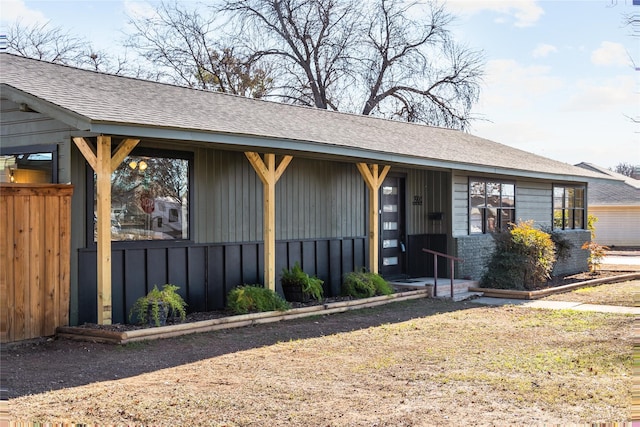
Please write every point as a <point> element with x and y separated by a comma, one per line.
<point>374,180</point>
<point>269,175</point>
<point>103,165</point>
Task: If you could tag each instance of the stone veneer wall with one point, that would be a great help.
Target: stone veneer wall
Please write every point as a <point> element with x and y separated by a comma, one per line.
<point>475,250</point>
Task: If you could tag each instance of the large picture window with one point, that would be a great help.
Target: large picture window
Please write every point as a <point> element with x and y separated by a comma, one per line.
<point>568,207</point>
<point>492,205</point>
<point>150,197</point>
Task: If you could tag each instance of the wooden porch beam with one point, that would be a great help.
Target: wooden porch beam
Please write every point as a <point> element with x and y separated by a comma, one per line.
<point>87,151</point>
<point>374,179</point>
<point>103,164</point>
<point>103,223</point>
<point>122,151</point>
<point>269,174</point>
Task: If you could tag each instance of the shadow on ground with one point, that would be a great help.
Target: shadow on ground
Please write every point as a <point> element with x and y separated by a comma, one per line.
<point>52,364</point>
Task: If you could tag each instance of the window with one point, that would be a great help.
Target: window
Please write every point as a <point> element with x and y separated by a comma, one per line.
<point>492,205</point>
<point>150,196</point>
<point>31,164</point>
<point>568,207</point>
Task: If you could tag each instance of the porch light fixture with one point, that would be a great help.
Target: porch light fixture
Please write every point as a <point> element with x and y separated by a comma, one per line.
<point>11,177</point>
<point>133,164</point>
<point>142,165</point>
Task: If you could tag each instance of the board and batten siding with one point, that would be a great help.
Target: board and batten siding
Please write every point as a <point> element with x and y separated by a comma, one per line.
<point>433,191</point>
<point>314,199</point>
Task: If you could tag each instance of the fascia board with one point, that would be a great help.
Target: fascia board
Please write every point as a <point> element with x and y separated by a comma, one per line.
<point>337,151</point>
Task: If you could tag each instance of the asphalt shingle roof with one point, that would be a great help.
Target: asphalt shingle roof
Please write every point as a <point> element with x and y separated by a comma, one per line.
<point>97,98</point>
<point>625,192</point>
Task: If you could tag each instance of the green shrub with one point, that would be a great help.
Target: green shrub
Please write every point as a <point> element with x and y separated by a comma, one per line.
<point>254,298</point>
<point>157,305</point>
<point>382,286</point>
<point>356,284</point>
<point>562,245</point>
<point>296,284</point>
<point>523,258</point>
<point>362,284</point>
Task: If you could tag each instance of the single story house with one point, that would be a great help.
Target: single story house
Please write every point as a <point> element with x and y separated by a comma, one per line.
<point>615,201</point>
<point>209,191</point>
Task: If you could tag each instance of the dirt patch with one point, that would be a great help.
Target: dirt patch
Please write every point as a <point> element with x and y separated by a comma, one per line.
<point>421,362</point>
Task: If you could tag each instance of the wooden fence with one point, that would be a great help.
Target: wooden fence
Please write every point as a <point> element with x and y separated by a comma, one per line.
<point>35,231</point>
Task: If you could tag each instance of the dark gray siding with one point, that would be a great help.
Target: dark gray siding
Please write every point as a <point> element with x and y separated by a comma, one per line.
<point>314,199</point>
<point>320,199</point>
<point>21,129</point>
<point>434,191</point>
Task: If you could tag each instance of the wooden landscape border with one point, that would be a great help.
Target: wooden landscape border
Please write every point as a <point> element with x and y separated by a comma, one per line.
<point>113,337</point>
<point>532,295</point>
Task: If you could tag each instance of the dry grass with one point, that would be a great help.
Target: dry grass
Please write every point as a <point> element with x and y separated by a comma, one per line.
<point>476,366</point>
<point>621,294</point>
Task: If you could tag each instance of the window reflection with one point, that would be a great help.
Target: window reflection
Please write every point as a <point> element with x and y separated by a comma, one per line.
<point>27,168</point>
<point>150,199</point>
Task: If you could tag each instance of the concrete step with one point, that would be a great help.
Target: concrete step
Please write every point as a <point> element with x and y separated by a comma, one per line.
<point>463,296</point>
<point>460,286</point>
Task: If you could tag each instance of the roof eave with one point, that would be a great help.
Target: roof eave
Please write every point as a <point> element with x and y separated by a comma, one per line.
<point>338,151</point>
<point>49,109</point>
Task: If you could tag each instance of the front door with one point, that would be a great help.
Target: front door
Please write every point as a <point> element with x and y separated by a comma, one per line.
<point>392,244</point>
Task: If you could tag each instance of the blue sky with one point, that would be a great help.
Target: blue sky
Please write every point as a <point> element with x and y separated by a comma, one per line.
<point>560,79</point>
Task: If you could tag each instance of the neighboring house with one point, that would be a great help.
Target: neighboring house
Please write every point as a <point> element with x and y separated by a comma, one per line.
<point>352,191</point>
<point>616,204</point>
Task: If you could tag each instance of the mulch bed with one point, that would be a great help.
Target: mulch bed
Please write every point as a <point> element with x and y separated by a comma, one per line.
<point>217,314</point>
<point>203,315</point>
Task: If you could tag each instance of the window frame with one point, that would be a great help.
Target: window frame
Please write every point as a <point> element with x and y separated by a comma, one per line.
<point>35,149</point>
<point>573,208</point>
<point>499,209</point>
<point>132,244</point>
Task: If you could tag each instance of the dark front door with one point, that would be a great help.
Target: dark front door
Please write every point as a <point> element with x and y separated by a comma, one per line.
<point>392,243</point>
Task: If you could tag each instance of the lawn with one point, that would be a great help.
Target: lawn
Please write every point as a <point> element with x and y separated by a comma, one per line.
<point>622,294</point>
<point>437,364</point>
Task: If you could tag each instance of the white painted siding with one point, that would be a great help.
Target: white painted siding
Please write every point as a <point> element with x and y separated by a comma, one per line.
<point>617,226</point>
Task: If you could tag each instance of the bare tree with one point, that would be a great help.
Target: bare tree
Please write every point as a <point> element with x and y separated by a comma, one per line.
<point>43,41</point>
<point>414,70</point>
<point>310,43</point>
<point>181,45</point>
<point>390,60</point>
<point>384,57</point>
<point>49,43</point>
<point>626,169</point>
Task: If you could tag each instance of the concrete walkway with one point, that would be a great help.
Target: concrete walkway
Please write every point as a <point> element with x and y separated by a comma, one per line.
<point>557,305</point>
